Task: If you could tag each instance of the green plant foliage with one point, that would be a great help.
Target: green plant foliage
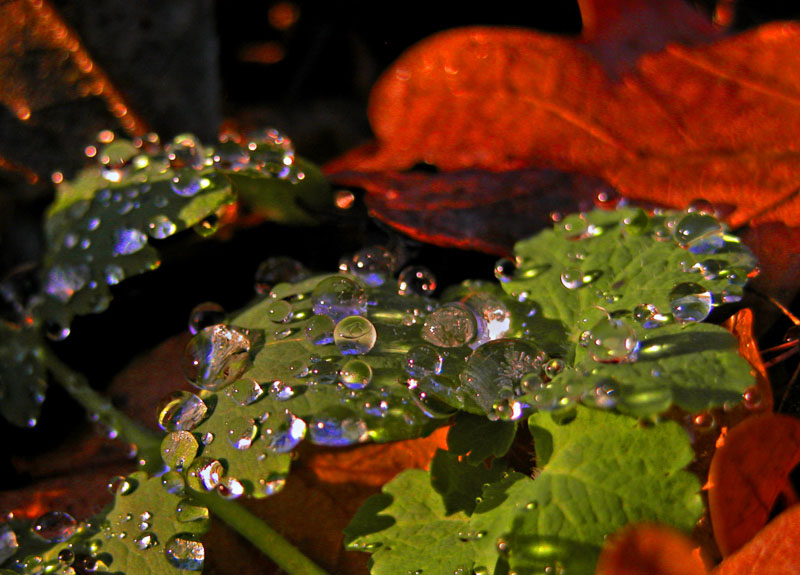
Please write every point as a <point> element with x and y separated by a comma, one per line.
<point>459,486</point>
<point>151,527</point>
<point>598,472</point>
<point>478,438</point>
<point>22,376</point>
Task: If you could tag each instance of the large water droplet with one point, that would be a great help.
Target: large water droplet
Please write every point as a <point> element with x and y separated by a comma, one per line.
<point>422,361</point>
<point>416,280</point>
<point>283,432</point>
<point>183,551</point>
<point>128,241</point>
<point>356,374</point>
<point>354,335</point>
<point>612,341</point>
<point>8,543</point>
<point>271,152</point>
<point>337,432</point>
<point>690,302</point>
<point>319,330</point>
<point>188,184</point>
<point>160,227</point>
<point>178,449</point>
<point>451,325</point>
<point>55,526</point>
<point>241,431</point>
<point>205,315</point>
<point>339,297</point>
<point>699,233</point>
<point>230,156</point>
<point>216,356</point>
<point>204,474</point>
<point>184,151</point>
<point>278,269</point>
<point>373,265</point>
<point>494,317</point>
<point>146,541</point>
<point>181,411</point>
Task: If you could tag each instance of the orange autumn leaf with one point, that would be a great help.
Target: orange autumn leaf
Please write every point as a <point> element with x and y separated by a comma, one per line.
<point>774,550</point>
<point>749,471</point>
<point>759,397</point>
<point>648,549</point>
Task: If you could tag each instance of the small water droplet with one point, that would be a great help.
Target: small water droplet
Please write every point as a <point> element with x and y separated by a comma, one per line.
<point>416,280</point>
<point>114,274</point>
<point>702,206</point>
<point>241,431</point>
<point>422,361</point>
<point>648,316</point>
<point>63,282</point>
<point>354,335</point>
<point>690,302</point>
<point>612,341</point>
<point>602,395</point>
<point>373,265</point>
<point>178,449</point>
<point>504,270</point>
<point>278,269</point>
<point>185,151</point>
<point>66,557</point>
<point>8,543</point>
<point>338,297</point>
<point>703,422</point>
<point>181,411</point>
<point>160,227</point>
<point>146,541</point>
<point>230,488</point>
<point>271,485</point>
<point>188,184</point>
<point>207,227</point>
<point>699,233</point>
<point>753,398</point>
<point>128,241</point>
<point>451,325</point>
<point>216,356</point>
<point>553,367</point>
<point>279,311</point>
<point>245,391</point>
<point>55,526</point>
<point>204,474</point>
<point>271,152</point>
<point>319,330</point>
<point>636,223</point>
<point>172,482</point>
<point>230,156</point>
<point>187,511</point>
<point>283,432</point>
<point>337,432</point>
<point>205,315</point>
<point>356,374</point>
<point>183,551</point>
<point>574,278</point>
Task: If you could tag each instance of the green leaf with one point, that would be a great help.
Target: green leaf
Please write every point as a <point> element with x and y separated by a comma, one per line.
<point>141,532</point>
<point>478,438</point>
<point>459,483</point>
<point>608,278</point>
<point>22,374</point>
<point>408,530</point>
<point>602,472</point>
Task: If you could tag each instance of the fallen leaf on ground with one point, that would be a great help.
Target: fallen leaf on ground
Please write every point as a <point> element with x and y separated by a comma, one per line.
<point>647,549</point>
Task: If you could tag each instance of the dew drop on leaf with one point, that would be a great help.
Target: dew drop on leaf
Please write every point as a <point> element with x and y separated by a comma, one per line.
<point>612,341</point>
<point>230,156</point>
<point>416,280</point>
<point>278,269</point>
<point>690,302</point>
<point>184,151</point>
<point>356,374</point>
<point>178,449</point>
<point>553,367</point>
<point>230,488</point>
<point>216,356</point>
<point>66,557</point>
<point>271,152</point>
<point>504,269</point>
<point>338,297</point>
<point>279,311</point>
<point>187,184</point>
<point>62,282</point>
<point>172,482</point>
<point>283,432</point>
<point>699,233</point>
<point>183,551</point>
<point>602,395</point>
<point>205,315</point>
<point>752,398</point>
<point>241,431</point>
<point>145,541</point>
<point>451,325</point>
<point>55,526</point>
<point>337,432</point>
<point>181,411</point>
<point>703,422</point>
<point>114,274</point>
<point>422,361</point>
<point>494,317</point>
<point>271,485</point>
<point>187,511</point>
<point>245,391</point>
<point>648,316</point>
<point>354,335</point>
<point>635,224</point>
<point>56,331</point>
<point>128,241</point>
<point>8,543</point>
<point>204,474</point>
<point>373,265</point>
<point>574,278</point>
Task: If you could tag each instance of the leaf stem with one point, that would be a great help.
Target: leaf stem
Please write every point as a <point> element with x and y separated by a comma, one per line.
<point>148,443</point>
<point>265,538</point>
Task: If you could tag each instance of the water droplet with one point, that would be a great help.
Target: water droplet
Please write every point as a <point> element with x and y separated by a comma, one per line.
<point>178,449</point>
<point>494,371</point>
<point>55,526</point>
<point>553,367</point>
<point>636,223</point>
<point>128,241</point>
<point>602,395</point>
<point>245,391</point>
<point>574,278</point>
<point>699,233</point>
<point>185,151</point>
<point>690,302</point>
<point>172,482</point>
<point>183,551</point>
<point>354,335</point>
<point>373,264</point>
<point>205,315</point>
<point>241,431</point>
<point>278,269</point>
<point>703,422</point>
<point>612,341</point>
<point>356,374</point>
<point>451,325</point>
<point>160,227</point>
<point>271,485</point>
<point>186,511</point>
<point>120,485</point>
<point>8,543</point>
<point>422,361</point>
<point>188,184</point>
<point>146,541</point>
<point>271,152</point>
<point>338,297</point>
<point>319,330</point>
<point>231,156</point>
<point>416,280</point>
<point>216,356</point>
<point>204,474</point>
<point>281,391</point>
<point>279,311</point>
<point>504,270</point>
<point>337,432</point>
<point>207,227</point>
<point>752,397</point>
<point>494,318</point>
<point>62,282</point>
<point>181,411</point>
<point>283,432</point>
<point>114,274</point>
<point>230,488</point>
<point>702,206</point>
<point>648,316</point>
<point>66,557</point>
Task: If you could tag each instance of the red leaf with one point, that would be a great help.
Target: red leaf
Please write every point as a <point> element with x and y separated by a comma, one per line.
<point>748,472</point>
<point>647,549</point>
<point>773,550</point>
